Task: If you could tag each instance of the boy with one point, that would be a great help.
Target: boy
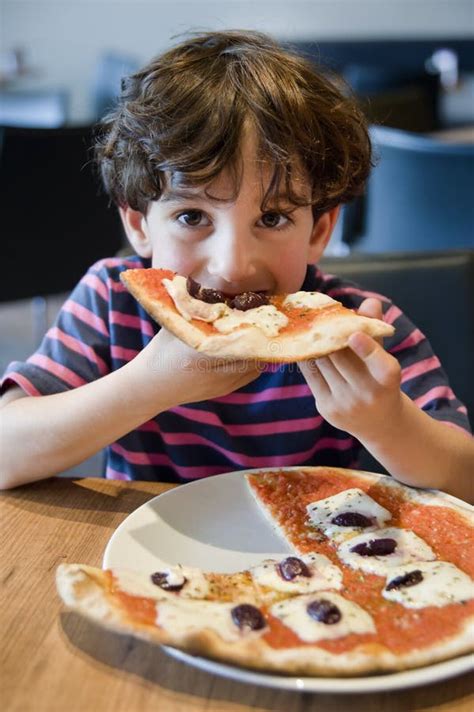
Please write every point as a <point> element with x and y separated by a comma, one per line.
<point>228,158</point>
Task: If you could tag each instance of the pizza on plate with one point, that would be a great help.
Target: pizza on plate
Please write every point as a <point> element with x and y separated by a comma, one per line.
<point>253,325</point>
<point>379,580</point>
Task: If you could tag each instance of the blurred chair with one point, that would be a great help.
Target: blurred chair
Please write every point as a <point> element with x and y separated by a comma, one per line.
<point>40,109</point>
<point>111,68</point>
<point>419,195</point>
<point>396,97</point>
<point>436,291</point>
<point>55,220</point>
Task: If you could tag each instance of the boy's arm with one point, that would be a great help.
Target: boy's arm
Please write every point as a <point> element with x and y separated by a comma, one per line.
<point>358,390</point>
<point>42,436</point>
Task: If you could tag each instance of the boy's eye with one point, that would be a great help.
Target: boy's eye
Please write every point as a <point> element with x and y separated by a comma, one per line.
<point>273,219</point>
<point>192,218</point>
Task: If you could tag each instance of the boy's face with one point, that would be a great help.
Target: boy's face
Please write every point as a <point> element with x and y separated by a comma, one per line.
<point>231,245</point>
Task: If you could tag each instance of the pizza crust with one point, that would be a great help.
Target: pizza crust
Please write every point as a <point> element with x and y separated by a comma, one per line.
<point>319,340</point>
<point>327,334</point>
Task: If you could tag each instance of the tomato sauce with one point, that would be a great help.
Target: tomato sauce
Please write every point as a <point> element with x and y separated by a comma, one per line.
<point>400,629</point>
<point>151,281</point>
<point>301,319</point>
<point>279,636</point>
<point>140,608</point>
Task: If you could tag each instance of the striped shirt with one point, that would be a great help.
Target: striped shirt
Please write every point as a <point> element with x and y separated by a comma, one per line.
<point>272,422</point>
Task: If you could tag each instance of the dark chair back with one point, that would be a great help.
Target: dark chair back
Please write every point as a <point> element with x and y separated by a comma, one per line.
<point>436,291</point>
<point>56,221</point>
<point>396,97</point>
<point>419,195</point>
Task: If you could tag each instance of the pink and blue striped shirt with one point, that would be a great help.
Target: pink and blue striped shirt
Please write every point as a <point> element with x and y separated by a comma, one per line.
<point>272,422</point>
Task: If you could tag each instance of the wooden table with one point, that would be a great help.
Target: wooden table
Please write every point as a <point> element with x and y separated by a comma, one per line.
<point>53,661</point>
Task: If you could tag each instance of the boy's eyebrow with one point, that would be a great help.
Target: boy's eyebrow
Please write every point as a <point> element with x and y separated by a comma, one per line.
<point>178,194</point>
<point>169,196</point>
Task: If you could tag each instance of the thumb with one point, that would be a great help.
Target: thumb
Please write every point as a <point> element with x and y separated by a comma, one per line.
<point>371,307</point>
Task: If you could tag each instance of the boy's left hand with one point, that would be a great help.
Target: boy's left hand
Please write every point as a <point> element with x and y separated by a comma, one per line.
<point>357,389</point>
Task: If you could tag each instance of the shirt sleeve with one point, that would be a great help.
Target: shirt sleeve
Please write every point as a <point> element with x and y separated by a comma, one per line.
<point>76,349</point>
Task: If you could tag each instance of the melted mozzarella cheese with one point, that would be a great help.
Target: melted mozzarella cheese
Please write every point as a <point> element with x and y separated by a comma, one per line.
<point>322,512</point>
<point>182,617</point>
<point>266,318</point>
<point>139,584</point>
<point>442,584</point>
<point>324,575</point>
<point>188,306</point>
<point>311,300</point>
<point>409,547</point>
<point>293,613</point>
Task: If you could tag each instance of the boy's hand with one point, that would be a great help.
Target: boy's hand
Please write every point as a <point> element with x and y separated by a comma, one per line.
<point>183,375</point>
<point>357,389</point>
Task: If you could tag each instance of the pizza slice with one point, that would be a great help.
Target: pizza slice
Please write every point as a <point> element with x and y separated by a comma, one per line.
<point>296,626</point>
<point>268,617</point>
<point>405,555</point>
<point>279,328</point>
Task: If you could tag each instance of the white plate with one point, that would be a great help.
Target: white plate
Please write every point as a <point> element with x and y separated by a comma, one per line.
<point>216,525</point>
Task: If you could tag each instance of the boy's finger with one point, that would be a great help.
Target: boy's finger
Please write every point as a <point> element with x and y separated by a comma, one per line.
<point>331,374</point>
<point>373,308</point>
<point>314,377</point>
<point>364,346</point>
<point>383,367</point>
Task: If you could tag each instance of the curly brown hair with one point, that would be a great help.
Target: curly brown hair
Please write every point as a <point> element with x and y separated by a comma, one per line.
<point>180,119</point>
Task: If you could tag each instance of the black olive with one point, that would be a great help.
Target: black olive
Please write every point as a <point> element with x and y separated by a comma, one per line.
<point>324,611</point>
<point>248,616</point>
<point>192,287</point>
<point>375,547</point>
<point>249,300</point>
<point>292,567</point>
<point>352,519</point>
<point>160,578</point>
<point>406,580</point>
<point>210,296</point>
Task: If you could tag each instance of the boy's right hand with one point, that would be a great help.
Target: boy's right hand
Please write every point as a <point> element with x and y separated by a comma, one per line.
<point>183,375</point>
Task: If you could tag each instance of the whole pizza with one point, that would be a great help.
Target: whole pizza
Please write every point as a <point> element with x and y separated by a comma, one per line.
<point>380,579</point>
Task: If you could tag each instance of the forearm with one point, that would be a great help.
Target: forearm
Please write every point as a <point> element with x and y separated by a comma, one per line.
<point>421,451</point>
<point>42,436</point>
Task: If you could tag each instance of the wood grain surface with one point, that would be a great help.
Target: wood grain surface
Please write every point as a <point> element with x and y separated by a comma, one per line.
<point>52,660</point>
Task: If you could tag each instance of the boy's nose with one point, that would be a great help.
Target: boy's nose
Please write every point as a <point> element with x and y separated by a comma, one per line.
<point>232,257</point>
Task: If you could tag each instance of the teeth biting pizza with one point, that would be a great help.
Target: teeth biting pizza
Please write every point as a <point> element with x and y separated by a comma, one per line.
<point>279,328</point>
<point>380,579</point>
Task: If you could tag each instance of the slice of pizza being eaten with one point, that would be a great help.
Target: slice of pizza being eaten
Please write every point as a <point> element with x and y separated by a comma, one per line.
<point>253,325</point>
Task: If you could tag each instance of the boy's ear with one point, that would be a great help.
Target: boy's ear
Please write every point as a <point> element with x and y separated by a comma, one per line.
<point>136,229</point>
<point>322,230</point>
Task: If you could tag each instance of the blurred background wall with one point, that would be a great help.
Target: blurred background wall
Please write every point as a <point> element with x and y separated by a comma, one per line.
<point>62,40</point>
